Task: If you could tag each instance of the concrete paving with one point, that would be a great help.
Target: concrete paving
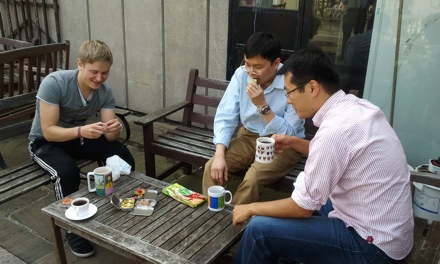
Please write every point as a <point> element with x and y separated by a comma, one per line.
<point>25,236</point>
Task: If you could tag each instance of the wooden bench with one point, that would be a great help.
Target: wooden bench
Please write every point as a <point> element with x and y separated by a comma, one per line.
<point>17,181</point>
<point>19,84</point>
<point>190,143</point>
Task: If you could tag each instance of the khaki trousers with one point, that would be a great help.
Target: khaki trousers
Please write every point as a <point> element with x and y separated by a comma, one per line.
<point>241,156</point>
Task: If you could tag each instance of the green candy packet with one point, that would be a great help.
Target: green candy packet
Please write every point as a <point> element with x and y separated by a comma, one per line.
<point>184,195</point>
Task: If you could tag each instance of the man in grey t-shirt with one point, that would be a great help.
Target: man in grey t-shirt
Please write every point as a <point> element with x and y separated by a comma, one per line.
<point>59,133</point>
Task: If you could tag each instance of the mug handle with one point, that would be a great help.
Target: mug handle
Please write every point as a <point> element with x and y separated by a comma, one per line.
<point>230,197</point>
<point>88,182</point>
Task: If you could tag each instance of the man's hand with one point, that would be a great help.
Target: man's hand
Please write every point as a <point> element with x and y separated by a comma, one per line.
<point>92,131</point>
<point>282,142</point>
<point>283,208</point>
<point>256,94</point>
<point>112,126</point>
<point>219,170</point>
<point>241,214</point>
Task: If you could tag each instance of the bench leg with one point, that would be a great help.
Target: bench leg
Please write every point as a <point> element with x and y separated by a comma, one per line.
<point>2,162</point>
<point>187,169</point>
<point>150,160</point>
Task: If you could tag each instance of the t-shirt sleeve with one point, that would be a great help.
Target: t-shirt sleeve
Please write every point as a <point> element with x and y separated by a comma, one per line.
<point>109,102</point>
<point>49,91</point>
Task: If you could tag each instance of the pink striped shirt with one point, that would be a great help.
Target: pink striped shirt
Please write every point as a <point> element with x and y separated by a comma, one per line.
<point>357,161</point>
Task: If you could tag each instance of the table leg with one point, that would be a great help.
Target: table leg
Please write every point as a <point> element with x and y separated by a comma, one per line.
<point>60,254</point>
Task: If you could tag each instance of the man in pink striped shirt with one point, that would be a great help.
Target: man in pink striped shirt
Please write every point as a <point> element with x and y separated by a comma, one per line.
<point>352,203</point>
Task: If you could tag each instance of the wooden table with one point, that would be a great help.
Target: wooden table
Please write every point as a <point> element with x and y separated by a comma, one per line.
<point>174,233</point>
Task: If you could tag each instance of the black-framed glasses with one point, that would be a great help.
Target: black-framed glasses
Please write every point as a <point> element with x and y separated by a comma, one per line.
<point>286,93</point>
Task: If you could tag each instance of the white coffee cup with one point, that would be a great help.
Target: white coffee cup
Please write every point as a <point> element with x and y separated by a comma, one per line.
<point>81,206</point>
<point>216,198</point>
<point>265,148</point>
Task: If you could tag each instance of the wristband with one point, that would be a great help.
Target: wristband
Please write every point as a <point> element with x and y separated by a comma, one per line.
<point>81,139</point>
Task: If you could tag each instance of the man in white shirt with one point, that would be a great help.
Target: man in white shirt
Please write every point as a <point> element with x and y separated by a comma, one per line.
<point>352,203</point>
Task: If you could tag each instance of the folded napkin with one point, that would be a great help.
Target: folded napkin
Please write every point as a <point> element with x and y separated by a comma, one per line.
<point>184,195</point>
<point>119,166</point>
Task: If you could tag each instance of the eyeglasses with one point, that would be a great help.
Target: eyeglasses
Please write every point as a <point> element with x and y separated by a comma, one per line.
<point>298,87</point>
<point>251,70</point>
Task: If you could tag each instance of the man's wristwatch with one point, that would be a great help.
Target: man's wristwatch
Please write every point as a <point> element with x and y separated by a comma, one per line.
<point>264,110</point>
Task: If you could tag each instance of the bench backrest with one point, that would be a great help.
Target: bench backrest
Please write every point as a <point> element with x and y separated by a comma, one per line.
<point>9,44</point>
<point>21,73</point>
<point>22,70</point>
<point>205,95</point>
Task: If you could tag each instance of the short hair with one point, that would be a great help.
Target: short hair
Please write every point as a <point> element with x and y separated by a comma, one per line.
<point>95,50</point>
<point>312,63</point>
<point>263,44</point>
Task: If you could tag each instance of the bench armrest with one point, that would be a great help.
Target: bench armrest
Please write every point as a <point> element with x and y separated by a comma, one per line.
<point>426,178</point>
<point>155,116</point>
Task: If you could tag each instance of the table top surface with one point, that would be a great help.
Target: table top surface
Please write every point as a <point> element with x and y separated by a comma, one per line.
<point>174,233</point>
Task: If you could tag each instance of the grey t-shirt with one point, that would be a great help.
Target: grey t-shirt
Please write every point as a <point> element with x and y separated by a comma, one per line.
<point>61,88</point>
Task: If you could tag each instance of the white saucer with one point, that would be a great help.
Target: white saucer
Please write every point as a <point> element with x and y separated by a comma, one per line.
<point>70,213</point>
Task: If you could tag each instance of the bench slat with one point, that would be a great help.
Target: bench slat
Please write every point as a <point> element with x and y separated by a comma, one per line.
<point>197,131</point>
<point>24,188</point>
<point>192,136</point>
<point>191,150</point>
<point>201,118</point>
<point>19,177</point>
<point>174,153</point>
<point>206,100</point>
<point>184,142</point>
<point>17,181</point>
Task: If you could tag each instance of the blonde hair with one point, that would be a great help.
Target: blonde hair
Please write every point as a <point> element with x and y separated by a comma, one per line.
<point>95,50</point>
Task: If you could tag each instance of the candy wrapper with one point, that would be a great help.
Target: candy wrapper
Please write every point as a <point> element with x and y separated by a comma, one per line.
<point>184,195</point>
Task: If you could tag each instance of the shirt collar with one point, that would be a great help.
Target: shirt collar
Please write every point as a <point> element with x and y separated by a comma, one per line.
<point>84,101</point>
<point>319,116</point>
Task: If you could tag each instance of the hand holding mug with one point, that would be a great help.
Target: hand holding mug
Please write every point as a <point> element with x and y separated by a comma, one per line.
<point>265,148</point>
<point>282,142</point>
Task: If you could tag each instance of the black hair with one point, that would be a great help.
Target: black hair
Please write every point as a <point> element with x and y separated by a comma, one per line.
<point>312,63</point>
<point>263,44</point>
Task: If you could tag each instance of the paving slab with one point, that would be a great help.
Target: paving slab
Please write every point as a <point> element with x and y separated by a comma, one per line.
<point>8,258</point>
<point>23,242</point>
